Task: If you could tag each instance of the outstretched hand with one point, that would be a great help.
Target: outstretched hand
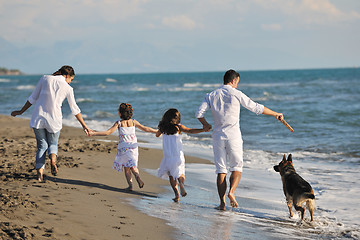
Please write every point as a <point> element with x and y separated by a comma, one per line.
<point>279,116</point>
<point>15,113</point>
<point>23,109</point>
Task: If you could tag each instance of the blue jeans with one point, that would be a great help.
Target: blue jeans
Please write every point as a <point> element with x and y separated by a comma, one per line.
<point>45,141</point>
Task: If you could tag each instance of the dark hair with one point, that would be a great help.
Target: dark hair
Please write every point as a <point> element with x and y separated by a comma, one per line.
<point>126,111</point>
<point>65,71</point>
<point>169,123</point>
<point>230,75</point>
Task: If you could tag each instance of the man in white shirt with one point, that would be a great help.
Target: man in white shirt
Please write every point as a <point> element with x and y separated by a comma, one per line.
<point>225,103</point>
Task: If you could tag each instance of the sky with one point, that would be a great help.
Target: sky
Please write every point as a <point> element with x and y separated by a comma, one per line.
<point>145,36</point>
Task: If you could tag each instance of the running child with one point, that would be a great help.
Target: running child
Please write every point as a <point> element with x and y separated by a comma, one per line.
<point>173,162</point>
<point>127,150</point>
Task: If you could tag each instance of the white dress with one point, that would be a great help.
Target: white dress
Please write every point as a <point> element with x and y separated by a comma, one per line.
<point>173,162</point>
<point>127,150</point>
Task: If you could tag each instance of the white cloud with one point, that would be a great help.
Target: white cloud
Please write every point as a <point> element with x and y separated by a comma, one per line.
<point>323,12</point>
<point>179,22</point>
<point>309,11</point>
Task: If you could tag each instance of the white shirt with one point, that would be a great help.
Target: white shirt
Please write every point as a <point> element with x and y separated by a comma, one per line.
<point>225,103</point>
<point>48,97</point>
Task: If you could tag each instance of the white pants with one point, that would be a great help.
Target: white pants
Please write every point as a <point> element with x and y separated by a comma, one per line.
<point>228,154</point>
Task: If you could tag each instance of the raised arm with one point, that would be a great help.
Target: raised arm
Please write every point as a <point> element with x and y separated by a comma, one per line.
<point>105,133</point>
<point>144,128</point>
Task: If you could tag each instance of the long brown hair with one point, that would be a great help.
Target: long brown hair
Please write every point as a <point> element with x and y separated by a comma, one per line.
<point>169,123</point>
<point>65,71</point>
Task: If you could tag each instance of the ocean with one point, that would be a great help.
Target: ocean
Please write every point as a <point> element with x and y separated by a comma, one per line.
<point>322,105</point>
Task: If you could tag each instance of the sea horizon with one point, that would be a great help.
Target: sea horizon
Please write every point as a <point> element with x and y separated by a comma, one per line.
<point>189,71</point>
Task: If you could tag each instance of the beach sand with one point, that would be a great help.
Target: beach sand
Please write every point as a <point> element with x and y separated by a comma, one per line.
<point>86,200</point>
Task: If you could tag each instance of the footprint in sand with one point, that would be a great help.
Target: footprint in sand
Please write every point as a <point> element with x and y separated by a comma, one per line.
<point>49,230</point>
<point>94,193</point>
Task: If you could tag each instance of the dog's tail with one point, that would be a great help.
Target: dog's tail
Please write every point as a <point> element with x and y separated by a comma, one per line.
<point>309,195</point>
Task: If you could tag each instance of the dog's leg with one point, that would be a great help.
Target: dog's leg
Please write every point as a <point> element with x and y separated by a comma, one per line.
<point>310,204</point>
<point>289,204</point>
<point>301,209</point>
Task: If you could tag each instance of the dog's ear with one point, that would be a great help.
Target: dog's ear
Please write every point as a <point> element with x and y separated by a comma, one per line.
<point>284,158</point>
<point>290,157</point>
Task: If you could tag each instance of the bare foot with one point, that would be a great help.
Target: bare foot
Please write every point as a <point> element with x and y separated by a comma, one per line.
<point>182,190</point>
<point>141,183</point>
<point>176,199</point>
<point>54,170</point>
<point>40,176</point>
<point>128,189</point>
<point>233,201</point>
<point>221,207</point>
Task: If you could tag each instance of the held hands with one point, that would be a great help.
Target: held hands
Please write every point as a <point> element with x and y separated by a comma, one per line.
<point>89,132</point>
<point>207,127</point>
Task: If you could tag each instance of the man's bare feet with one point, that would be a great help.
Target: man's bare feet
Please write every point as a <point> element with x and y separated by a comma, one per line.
<point>129,189</point>
<point>140,182</point>
<point>221,207</point>
<point>182,190</point>
<point>233,201</point>
<point>176,199</point>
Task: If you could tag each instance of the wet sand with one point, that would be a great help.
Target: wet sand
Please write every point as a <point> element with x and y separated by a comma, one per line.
<point>86,200</point>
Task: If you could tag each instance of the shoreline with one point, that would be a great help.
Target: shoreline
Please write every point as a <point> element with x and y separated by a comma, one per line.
<point>86,200</point>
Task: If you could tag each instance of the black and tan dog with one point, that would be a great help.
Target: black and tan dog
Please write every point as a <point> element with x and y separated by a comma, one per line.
<point>297,191</point>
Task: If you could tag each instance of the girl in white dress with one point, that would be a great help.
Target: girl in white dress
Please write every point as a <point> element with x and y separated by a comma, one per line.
<point>127,150</point>
<point>173,162</point>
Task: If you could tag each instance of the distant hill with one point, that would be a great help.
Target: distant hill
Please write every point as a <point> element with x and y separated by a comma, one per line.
<point>5,71</point>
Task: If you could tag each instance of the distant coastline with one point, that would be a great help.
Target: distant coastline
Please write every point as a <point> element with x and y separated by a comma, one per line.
<point>5,71</point>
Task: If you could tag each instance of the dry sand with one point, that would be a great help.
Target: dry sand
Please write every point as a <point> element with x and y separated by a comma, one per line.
<point>86,200</point>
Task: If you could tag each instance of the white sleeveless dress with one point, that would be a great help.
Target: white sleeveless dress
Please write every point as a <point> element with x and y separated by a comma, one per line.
<point>173,162</point>
<point>127,150</point>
